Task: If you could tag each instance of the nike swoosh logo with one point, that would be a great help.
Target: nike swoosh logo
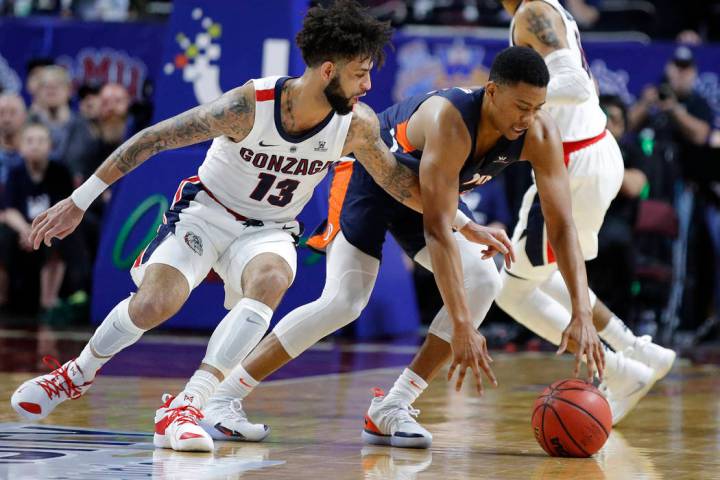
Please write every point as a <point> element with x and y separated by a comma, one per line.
<point>285,227</point>
<point>265,145</point>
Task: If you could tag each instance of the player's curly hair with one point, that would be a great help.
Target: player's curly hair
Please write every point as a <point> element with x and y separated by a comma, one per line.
<point>342,31</point>
<point>519,64</point>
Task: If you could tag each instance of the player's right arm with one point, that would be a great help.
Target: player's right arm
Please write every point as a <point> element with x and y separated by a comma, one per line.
<point>232,114</point>
<point>446,145</point>
<point>540,27</point>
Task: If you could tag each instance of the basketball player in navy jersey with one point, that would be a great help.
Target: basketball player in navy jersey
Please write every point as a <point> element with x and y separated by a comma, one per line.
<point>450,138</point>
<point>533,291</point>
<point>274,140</point>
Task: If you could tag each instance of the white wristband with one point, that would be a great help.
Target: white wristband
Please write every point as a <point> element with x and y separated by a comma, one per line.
<point>86,193</point>
<point>460,220</point>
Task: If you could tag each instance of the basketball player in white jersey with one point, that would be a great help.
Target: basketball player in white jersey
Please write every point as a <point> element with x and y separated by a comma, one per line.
<point>533,291</point>
<point>274,140</point>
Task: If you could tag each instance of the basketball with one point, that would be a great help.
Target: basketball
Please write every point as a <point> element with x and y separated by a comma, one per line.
<point>571,418</point>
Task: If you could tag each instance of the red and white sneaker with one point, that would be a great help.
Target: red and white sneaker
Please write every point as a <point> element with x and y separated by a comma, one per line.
<point>36,398</point>
<point>178,428</point>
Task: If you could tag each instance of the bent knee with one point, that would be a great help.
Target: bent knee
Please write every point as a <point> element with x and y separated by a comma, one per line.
<point>149,309</point>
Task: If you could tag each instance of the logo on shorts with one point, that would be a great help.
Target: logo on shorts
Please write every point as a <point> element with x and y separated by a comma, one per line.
<point>502,159</point>
<point>194,242</point>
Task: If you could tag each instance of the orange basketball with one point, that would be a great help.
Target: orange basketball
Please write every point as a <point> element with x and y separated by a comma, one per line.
<point>571,418</point>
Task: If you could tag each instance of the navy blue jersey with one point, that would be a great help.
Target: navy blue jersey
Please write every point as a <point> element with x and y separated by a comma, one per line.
<point>367,212</point>
<point>394,122</point>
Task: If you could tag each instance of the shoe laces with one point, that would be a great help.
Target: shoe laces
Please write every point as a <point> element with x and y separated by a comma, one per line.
<point>59,381</point>
<point>237,410</point>
<point>405,413</point>
<point>184,414</point>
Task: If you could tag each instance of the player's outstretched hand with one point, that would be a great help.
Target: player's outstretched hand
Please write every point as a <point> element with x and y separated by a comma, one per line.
<point>58,221</point>
<point>588,345</point>
<point>469,350</point>
<point>496,240</point>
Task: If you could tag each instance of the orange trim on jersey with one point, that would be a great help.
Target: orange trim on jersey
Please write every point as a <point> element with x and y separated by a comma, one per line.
<point>338,189</point>
<point>550,253</point>
<point>572,147</point>
<point>264,95</point>
<point>401,136</point>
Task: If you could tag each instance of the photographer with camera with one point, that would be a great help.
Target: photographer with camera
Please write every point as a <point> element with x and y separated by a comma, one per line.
<point>675,114</point>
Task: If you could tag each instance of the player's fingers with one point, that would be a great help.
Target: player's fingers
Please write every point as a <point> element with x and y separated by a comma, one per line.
<point>485,365</point>
<point>508,260</point>
<point>591,364</point>
<point>40,234</point>
<point>461,376</point>
<point>478,379</point>
<point>563,342</point>
<point>64,233</point>
<point>499,246</point>
<point>511,250</point>
<point>451,371</point>
<point>40,218</point>
<point>600,355</point>
<point>35,229</point>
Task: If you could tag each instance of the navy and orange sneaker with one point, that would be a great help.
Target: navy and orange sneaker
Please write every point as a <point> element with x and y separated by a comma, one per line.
<point>177,428</point>
<point>391,423</point>
<point>37,398</point>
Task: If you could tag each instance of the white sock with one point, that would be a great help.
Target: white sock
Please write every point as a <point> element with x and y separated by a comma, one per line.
<point>115,333</point>
<point>407,388</point>
<point>198,390</point>
<point>618,335</point>
<point>238,384</point>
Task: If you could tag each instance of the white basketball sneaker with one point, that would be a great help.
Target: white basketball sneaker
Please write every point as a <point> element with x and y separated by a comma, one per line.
<point>625,387</point>
<point>658,358</point>
<point>37,398</point>
<point>178,428</point>
<point>225,420</point>
<point>391,423</point>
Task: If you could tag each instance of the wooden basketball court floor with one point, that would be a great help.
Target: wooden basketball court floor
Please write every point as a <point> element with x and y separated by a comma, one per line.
<point>316,417</point>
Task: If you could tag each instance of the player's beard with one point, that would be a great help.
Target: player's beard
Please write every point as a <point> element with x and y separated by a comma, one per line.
<point>334,94</point>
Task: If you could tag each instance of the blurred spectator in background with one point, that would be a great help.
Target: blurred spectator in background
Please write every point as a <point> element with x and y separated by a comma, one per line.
<point>33,188</point>
<point>73,142</point>
<point>89,101</point>
<point>33,68</point>
<point>113,118</point>
<point>611,274</point>
<point>12,118</point>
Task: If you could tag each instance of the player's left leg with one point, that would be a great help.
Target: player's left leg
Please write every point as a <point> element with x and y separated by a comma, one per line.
<point>259,267</point>
<point>390,418</point>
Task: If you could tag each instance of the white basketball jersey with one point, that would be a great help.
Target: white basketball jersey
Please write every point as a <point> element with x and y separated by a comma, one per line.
<point>270,174</point>
<point>576,122</point>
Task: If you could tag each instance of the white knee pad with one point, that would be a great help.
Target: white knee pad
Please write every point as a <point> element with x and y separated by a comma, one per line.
<point>237,334</point>
<point>341,302</point>
<point>350,280</point>
<point>481,281</point>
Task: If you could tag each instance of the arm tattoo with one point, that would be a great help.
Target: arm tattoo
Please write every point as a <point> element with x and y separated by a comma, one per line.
<point>541,27</point>
<point>395,178</point>
<point>232,115</point>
